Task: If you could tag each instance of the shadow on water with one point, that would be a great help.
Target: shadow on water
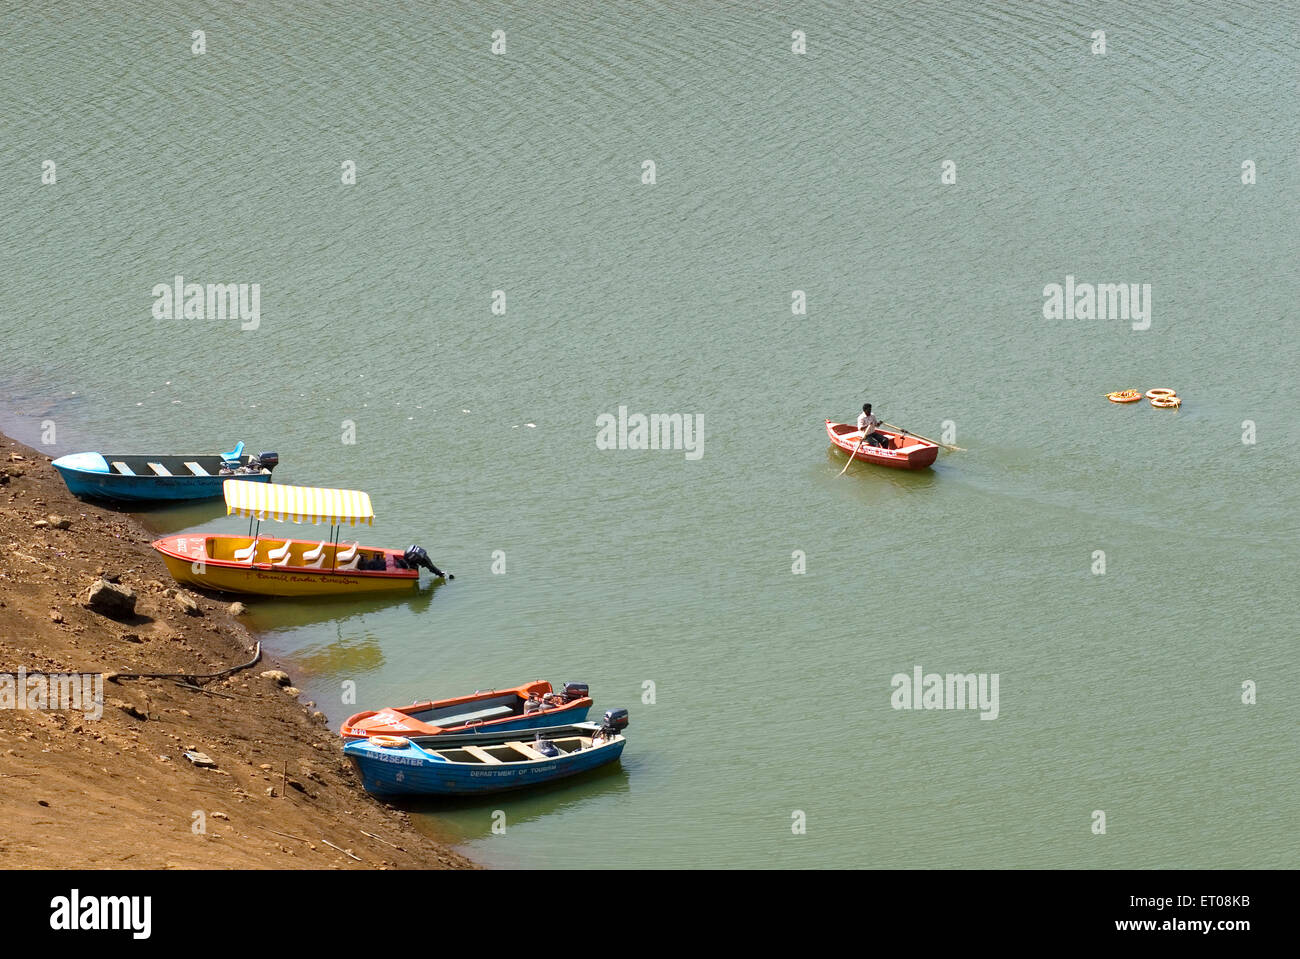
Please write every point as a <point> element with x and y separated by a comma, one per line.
<point>164,516</point>
<point>466,818</point>
<point>906,481</point>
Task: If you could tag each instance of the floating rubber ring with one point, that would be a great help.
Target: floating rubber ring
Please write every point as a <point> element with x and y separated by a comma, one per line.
<point>1166,402</point>
<point>389,742</point>
<point>1124,396</point>
<point>1152,394</point>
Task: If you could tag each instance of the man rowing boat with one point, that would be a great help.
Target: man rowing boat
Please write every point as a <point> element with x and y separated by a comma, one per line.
<point>867,423</point>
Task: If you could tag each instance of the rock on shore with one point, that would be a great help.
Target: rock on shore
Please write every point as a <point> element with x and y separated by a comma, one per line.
<point>111,599</point>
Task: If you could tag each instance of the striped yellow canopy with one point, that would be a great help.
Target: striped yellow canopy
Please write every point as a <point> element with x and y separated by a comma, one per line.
<point>297,503</point>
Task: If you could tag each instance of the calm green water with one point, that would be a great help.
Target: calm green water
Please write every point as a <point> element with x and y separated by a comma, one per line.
<point>775,172</point>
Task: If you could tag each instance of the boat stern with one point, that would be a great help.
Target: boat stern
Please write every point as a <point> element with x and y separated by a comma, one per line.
<point>920,455</point>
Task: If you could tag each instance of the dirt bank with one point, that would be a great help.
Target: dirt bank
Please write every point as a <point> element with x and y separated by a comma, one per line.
<point>117,792</point>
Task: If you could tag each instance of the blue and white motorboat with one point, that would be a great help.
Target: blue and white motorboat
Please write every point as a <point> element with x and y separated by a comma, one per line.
<point>137,478</point>
<point>396,766</point>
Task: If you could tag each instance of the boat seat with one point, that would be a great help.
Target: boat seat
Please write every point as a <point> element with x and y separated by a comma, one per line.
<point>196,469</point>
<point>347,558</point>
<point>280,555</point>
<point>315,558</point>
<point>481,756</point>
<point>528,751</point>
<point>159,469</point>
<point>123,469</point>
<point>492,712</point>
<point>234,454</point>
<point>246,554</point>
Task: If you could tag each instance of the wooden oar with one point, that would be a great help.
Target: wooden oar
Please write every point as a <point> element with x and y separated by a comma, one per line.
<point>854,454</point>
<point>899,429</point>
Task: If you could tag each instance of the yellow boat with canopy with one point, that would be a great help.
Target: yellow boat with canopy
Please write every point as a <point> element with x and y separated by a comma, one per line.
<point>272,566</point>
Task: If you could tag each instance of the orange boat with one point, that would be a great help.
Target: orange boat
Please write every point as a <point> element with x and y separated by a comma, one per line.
<point>904,452</point>
<point>292,567</point>
<point>495,710</point>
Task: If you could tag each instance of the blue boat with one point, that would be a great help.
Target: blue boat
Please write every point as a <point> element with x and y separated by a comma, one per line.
<point>395,766</point>
<point>136,478</point>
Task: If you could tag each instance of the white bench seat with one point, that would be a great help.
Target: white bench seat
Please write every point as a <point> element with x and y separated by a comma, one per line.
<point>528,751</point>
<point>159,469</point>
<point>196,469</point>
<point>123,469</point>
<point>492,712</point>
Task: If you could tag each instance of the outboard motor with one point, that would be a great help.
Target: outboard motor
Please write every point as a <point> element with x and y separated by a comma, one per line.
<point>266,461</point>
<point>416,556</point>
<point>545,746</point>
<point>574,691</point>
<point>615,721</point>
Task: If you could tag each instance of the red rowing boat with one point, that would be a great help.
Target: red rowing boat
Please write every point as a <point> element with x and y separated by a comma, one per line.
<point>904,452</point>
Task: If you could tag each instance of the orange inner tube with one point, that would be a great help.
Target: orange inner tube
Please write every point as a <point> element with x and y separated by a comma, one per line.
<point>1124,396</point>
<point>1165,402</point>
<point>1152,394</point>
<point>389,742</point>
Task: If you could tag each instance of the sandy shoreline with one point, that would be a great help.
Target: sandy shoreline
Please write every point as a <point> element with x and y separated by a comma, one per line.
<point>117,792</point>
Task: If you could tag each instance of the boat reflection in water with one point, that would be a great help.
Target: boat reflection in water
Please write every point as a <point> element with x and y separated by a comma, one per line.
<point>464,819</point>
<point>904,481</point>
<point>293,628</point>
<point>272,614</point>
<point>348,657</point>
